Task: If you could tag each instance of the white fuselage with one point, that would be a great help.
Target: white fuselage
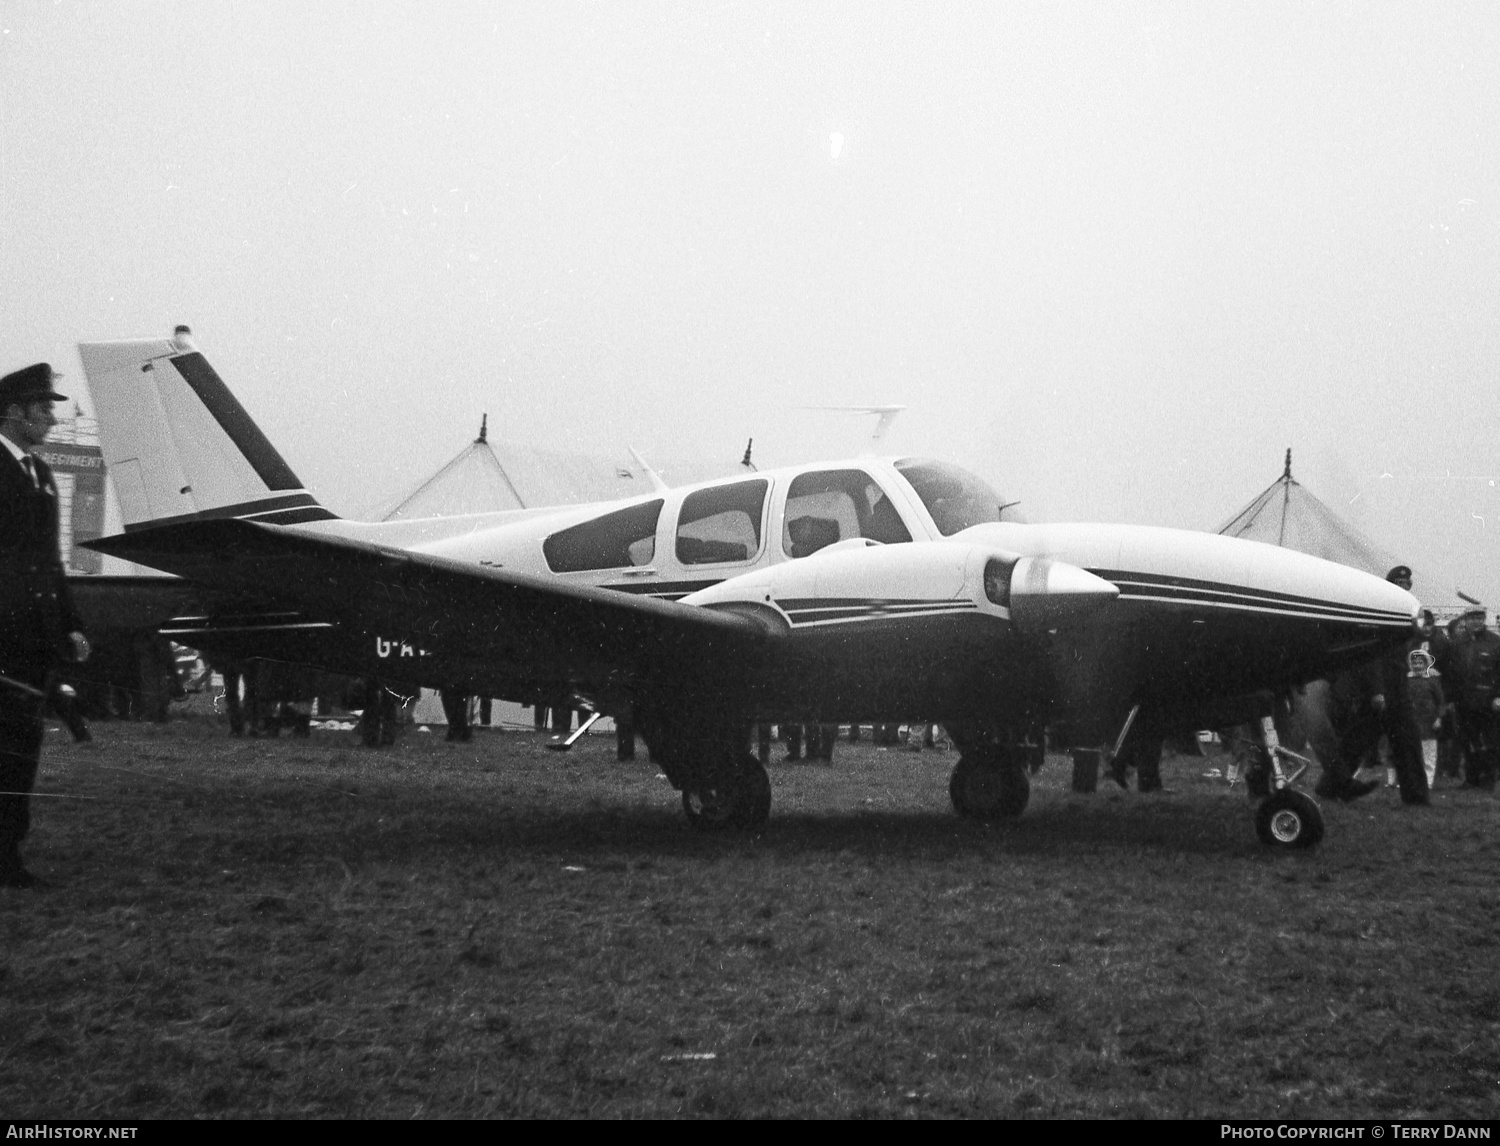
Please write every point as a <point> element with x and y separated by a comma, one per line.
<point>674,557</point>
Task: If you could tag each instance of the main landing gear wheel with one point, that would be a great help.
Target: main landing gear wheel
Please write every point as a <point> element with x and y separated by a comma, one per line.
<point>988,789</point>
<point>958,783</point>
<point>755,791</point>
<point>709,807</point>
<point>741,799</point>
<point>1288,819</point>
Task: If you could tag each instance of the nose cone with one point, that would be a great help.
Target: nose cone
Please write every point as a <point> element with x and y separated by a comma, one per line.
<point>1300,584</point>
<point>1045,594</point>
<point>1394,599</point>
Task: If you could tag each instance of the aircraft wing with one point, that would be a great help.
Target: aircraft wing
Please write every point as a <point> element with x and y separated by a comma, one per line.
<point>498,624</point>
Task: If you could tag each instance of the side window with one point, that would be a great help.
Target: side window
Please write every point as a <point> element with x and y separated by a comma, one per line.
<point>834,505</point>
<point>721,523</point>
<point>625,537</point>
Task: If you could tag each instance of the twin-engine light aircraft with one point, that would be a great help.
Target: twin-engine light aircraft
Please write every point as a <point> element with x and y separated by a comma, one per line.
<point>866,590</point>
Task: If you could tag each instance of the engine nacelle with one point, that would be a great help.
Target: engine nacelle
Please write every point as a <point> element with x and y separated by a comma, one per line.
<point>854,581</point>
<point>1042,593</point>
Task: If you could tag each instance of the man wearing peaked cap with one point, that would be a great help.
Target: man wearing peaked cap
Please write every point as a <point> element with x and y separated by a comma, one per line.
<point>1475,691</point>
<point>30,384</point>
<point>1396,714</point>
<point>38,624</point>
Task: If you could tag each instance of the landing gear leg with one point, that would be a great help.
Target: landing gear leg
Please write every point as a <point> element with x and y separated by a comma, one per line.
<point>1285,818</point>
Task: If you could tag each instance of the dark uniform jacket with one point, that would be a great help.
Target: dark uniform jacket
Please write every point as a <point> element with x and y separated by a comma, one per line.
<point>1475,668</point>
<point>1351,694</point>
<point>1427,702</point>
<point>36,610</point>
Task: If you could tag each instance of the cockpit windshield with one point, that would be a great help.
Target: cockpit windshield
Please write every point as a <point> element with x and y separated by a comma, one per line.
<point>955,497</point>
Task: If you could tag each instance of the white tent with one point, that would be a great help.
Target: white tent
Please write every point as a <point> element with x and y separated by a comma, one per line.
<point>488,476</point>
<point>1286,514</point>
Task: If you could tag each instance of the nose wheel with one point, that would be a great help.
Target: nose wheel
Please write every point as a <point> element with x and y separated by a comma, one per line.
<point>1289,819</point>
<point>1286,818</point>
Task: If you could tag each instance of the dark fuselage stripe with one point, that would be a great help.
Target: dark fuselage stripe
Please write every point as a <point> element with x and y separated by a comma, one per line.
<point>1253,604</point>
<point>813,620</point>
<point>231,416</point>
<point>805,611</point>
<point>293,516</point>
<point>1273,611</point>
<point>269,509</point>
<point>668,589</point>
<point>1187,588</point>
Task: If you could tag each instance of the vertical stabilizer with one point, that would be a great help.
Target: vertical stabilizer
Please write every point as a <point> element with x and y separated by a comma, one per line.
<point>178,445</point>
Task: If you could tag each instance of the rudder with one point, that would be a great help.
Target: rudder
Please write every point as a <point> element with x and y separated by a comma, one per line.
<point>178,444</point>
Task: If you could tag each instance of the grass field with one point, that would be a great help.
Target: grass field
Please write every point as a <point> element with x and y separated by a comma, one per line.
<point>305,928</point>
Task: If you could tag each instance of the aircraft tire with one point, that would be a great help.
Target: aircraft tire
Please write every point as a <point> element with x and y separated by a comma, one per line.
<point>957,782</point>
<point>709,808</point>
<point>1015,789</point>
<point>740,800</point>
<point>988,788</point>
<point>1289,819</point>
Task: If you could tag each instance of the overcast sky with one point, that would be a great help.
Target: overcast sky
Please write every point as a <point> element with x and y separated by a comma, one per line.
<point>1115,257</point>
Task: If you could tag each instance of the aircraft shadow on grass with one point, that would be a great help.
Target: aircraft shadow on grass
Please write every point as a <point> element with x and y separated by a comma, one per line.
<point>473,831</point>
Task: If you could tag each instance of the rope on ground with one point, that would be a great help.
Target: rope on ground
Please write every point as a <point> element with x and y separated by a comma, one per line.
<point>49,796</point>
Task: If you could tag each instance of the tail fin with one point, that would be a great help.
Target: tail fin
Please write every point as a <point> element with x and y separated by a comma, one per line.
<point>178,445</point>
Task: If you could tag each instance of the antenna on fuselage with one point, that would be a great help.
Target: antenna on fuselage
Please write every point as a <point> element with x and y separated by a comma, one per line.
<point>657,485</point>
<point>745,461</point>
<point>484,429</point>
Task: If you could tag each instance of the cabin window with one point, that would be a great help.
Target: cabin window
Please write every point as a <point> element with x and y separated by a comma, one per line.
<point>721,523</point>
<point>955,497</point>
<point>835,505</point>
<point>624,537</point>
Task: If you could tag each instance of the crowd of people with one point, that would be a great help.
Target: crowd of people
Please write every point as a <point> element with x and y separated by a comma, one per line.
<point>1453,699</point>
<point>1427,709</point>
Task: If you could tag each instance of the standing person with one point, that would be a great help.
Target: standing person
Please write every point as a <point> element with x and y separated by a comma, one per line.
<point>791,735</point>
<point>37,622</point>
<point>1426,688</point>
<point>1343,725</point>
<point>1398,716</point>
<point>1451,741</point>
<point>1475,692</point>
<point>456,713</point>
